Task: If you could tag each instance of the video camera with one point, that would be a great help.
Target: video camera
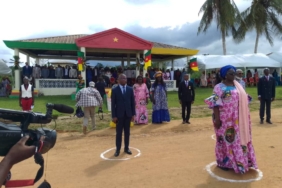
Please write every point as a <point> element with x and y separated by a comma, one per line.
<point>10,134</point>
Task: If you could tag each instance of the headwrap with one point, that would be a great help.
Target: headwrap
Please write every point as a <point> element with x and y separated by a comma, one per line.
<point>158,74</point>
<point>225,69</point>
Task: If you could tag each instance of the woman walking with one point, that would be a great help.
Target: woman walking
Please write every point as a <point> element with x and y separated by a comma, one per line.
<point>141,94</point>
<point>232,124</point>
<point>159,99</point>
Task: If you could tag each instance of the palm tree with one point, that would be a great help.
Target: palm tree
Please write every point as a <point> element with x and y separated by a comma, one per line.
<point>265,17</point>
<point>225,13</point>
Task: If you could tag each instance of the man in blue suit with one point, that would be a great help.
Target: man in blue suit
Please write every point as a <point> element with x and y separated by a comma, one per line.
<point>27,70</point>
<point>123,112</point>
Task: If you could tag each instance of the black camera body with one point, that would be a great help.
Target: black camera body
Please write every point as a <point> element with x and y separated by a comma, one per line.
<point>10,134</point>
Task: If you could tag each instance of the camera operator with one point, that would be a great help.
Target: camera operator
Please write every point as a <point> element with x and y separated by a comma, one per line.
<point>17,153</point>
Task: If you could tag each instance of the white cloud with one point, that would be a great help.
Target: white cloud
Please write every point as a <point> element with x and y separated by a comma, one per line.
<point>33,18</point>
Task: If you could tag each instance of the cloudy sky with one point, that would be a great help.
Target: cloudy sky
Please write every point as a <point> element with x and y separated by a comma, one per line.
<point>167,21</point>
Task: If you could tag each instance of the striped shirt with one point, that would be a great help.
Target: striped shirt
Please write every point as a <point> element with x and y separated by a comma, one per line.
<point>87,97</point>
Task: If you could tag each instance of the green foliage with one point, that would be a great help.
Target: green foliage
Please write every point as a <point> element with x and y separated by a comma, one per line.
<point>263,16</point>
<point>223,12</point>
<point>196,74</point>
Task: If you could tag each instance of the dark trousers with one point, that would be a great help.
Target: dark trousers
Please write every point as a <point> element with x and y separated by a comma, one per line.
<point>186,106</point>
<point>263,103</point>
<point>123,124</point>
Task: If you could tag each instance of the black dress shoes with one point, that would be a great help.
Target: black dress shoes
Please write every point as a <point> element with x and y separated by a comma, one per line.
<point>261,121</point>
<point>188,122</point>
<point>128,151</point>
<point>116,153</point>
<point>269,122</point>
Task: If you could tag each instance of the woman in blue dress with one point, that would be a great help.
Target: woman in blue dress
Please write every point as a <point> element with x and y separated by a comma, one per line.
<point>159,98</point>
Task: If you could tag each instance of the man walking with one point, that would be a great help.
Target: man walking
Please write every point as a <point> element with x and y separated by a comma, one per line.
<point>26,97</point>
<point>266,94</point>
<point>123,112</point>
<point>89,98</point>
<point>186,95</point>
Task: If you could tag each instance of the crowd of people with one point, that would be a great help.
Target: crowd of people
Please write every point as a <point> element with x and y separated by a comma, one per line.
<point>229,102</point>
<point>5,87</point>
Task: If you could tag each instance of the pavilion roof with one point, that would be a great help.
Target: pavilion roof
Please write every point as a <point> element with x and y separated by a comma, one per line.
<point>70,39</point>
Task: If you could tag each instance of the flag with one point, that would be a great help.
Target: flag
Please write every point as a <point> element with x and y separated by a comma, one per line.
<point>80,60</point>
<point>193,64</point>
<point>148,59</point>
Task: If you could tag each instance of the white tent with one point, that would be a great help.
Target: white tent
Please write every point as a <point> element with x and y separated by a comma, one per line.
<point>257,60</point>
<point>276,56</point>
<point>4,69</point>
<point>217,61</point>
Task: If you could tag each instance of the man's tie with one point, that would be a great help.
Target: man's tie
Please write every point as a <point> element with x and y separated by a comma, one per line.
<point>186,83</point>
<point>123,90</point>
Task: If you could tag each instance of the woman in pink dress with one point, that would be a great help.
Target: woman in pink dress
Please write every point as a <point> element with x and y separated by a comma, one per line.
<point>141,95</point>
<point>232,124</point>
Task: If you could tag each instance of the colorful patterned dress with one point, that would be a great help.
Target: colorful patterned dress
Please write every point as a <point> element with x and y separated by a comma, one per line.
<point>160,108</point>
<point>229,151</point>
<point>141,93</point>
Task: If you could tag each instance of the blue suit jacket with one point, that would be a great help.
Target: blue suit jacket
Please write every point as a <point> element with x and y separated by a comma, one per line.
<point>123,105</point>
<point>266,88</point>
<point>27,71</point>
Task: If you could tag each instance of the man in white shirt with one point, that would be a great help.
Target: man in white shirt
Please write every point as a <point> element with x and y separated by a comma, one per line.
<point>26,97</point>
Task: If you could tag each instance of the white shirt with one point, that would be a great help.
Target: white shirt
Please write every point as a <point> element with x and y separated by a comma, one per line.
<point>121,87</point>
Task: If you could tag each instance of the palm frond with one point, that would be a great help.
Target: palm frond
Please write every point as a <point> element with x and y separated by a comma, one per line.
<point>268,36</point>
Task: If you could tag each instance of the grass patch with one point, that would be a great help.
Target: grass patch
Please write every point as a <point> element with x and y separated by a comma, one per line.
<point>69,123</point>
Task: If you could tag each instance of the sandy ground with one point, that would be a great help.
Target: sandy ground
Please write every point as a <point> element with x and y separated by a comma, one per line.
<point>172,155</point>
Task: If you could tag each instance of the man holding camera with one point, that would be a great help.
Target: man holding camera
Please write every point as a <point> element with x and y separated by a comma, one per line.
<point>26,98</point>
<point>89,98</point>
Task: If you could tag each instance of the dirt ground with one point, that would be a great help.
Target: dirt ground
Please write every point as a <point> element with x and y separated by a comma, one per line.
<point>172,155</point>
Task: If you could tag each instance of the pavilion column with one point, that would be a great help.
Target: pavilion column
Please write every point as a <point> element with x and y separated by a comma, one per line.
<point>17,71</point>
<point>128,60</point>
<point>144,71</point>
<point>27,59</point>
<point>137,67</point>
<point>172,64</point>
<point>160,65</point>
<point>188,60</point>
<point>122,64</point>
<point>37,61</point>
<point>83,73</point>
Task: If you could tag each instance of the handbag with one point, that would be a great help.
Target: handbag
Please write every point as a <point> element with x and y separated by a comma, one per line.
<point>100,113</point>
<point>79,113</point>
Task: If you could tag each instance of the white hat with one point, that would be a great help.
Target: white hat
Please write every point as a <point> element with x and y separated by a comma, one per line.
<point>91,84</point>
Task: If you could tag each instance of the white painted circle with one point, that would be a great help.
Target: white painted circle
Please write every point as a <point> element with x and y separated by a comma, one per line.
<point>213,137</point>
<point>124,159</point>
<point>208,168</point>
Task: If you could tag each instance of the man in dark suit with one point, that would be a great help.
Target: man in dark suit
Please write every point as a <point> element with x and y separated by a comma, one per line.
<point>266,94</point>
<point>27,71</point>
<point>186,94</point>
<point>123,112</point>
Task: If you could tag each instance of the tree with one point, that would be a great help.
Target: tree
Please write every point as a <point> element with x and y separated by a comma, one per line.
<point>263,16</point>
<point>224,12</point>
